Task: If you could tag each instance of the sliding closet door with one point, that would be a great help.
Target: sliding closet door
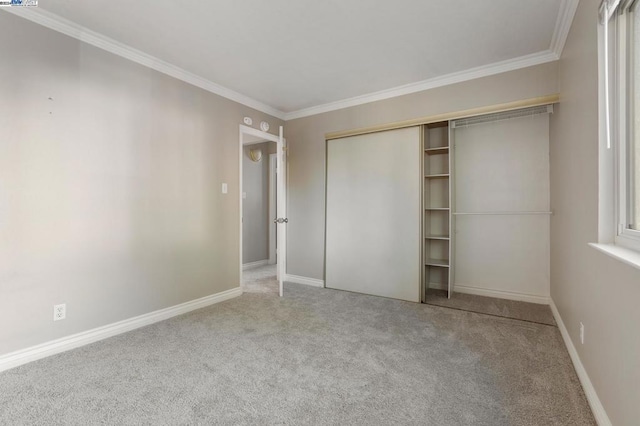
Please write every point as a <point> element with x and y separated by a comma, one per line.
<point>373,214</point>
<point>502,207</point>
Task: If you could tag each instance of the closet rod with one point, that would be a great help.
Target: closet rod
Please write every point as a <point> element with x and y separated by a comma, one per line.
<point>500,213</point>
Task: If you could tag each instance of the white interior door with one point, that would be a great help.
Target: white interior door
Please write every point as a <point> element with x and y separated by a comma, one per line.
<point>281,213</point>
<point>373,214</point>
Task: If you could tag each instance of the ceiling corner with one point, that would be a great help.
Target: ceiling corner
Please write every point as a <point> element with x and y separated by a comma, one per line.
<point>563,25</point>
<point>71,29</point>
<point>420,86</point>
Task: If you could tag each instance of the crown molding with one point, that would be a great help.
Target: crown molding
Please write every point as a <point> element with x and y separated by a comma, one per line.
<point>563,25</point>
<point>566,14</point>
<point>445,80</point>
<point>71,29</point>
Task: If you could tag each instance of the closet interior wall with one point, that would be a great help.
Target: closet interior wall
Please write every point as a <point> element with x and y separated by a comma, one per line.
<point>502,205</point>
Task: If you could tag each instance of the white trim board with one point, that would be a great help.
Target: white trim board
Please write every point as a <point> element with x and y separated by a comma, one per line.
<point>563,25</point>
<point>256,264</point>
<point>623,254</point>
<point>590,392</point>
<point>431,83</point>
<point>64,26</point>
<point>297,279</point>
<point>24,356</point>
<point>499,294</point>
<point>561,30</point>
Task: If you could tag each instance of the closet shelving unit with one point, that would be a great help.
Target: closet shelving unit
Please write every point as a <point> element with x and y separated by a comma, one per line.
<point>437,217</point>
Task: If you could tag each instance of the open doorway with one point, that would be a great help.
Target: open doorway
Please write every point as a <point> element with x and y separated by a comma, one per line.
<point>259,268</point>
<point>261,205</point>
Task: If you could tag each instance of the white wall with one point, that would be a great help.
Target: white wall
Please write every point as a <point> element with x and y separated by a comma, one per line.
<point>586,285</point>
<point>110,178</point>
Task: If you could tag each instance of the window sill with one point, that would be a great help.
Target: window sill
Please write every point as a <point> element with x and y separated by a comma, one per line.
<point>628,256</point>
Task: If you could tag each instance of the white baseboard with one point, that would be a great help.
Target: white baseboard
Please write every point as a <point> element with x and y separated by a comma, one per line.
<point>303,280</point>
<point>590,392</point>
<point>251,265</point>
<point>23,356</point>
<point>500,294</point>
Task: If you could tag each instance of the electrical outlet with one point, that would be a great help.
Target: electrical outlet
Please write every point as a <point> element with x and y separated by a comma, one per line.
<point>59,312</point>
<point>582,333</point>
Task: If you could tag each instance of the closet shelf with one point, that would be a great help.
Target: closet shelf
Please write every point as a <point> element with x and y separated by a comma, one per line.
<point>437,237</point>
<point>438,150</point>
<point>438,240</point>
<point>437,262</point>
<point>505,213</point>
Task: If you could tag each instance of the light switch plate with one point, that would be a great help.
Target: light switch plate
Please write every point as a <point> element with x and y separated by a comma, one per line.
<point>224,188</point>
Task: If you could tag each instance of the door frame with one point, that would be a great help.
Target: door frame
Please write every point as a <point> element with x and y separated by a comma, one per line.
<point>268,137</point>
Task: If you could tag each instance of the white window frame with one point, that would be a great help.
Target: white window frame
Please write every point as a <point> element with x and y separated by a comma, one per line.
<point>618,129</point>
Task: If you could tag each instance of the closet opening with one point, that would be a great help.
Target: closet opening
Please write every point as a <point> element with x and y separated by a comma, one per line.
<point>437,274</point>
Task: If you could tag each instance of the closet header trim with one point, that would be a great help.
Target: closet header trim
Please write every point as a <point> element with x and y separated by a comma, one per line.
<point>499,116</point>
<point>508,106</point>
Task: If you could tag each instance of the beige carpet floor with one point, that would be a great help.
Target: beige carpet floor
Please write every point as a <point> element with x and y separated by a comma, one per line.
<point>314,357</point>
<point>262,279</point>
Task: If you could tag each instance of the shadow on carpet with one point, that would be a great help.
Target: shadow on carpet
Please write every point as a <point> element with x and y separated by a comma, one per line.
<point>524,311</point>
